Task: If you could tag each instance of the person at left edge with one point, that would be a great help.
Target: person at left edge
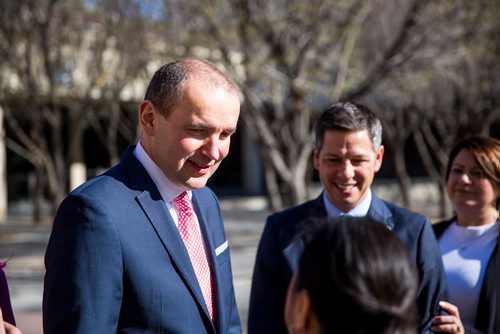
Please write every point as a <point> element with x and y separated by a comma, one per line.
<point>116,262</point>
<point>7,320</point>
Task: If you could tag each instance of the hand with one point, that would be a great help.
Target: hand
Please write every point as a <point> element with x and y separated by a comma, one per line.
<point>6,328</point>
<point>9,329</point>
<point>448,323</point>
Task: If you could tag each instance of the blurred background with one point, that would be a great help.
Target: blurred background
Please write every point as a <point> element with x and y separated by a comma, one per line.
<point>72,73</point>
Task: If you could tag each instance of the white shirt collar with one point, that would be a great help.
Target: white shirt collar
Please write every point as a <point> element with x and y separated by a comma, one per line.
<point>360,210</point>
<point>168,190</point>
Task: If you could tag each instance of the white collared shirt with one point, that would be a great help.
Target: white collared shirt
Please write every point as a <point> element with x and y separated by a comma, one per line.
<point>168,190</point>
<point>360,210</point>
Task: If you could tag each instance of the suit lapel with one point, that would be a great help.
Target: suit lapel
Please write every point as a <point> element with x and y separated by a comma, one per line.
<point>168,234</point>
<point>154,208</point>
<point>206,225</point>
<point>379,212</point>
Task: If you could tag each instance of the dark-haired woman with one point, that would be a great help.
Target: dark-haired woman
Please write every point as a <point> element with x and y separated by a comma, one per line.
<point>354,276</point>
<point>469,241</point>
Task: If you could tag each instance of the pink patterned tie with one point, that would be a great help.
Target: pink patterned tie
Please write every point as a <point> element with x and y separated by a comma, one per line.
<point>191,235</point>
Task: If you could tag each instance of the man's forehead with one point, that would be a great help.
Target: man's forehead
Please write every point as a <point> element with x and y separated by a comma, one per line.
<point>347,135</point>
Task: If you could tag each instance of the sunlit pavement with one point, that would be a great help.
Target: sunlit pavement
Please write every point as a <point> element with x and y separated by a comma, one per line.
<point>24,245</point>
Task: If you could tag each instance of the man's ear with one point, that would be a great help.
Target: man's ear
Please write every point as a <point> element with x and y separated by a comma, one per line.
<point>378,158</point>
<point>147,117</point>
<point>316,157</point>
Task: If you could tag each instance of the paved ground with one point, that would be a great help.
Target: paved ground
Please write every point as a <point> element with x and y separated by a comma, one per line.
<point>24,244</point>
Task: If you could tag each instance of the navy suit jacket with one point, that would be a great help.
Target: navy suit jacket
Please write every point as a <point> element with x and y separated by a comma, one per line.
<point>272,272</point>
<point>116,263</point>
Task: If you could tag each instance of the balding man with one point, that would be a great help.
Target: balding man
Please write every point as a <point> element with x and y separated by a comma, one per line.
<point>141,248</point>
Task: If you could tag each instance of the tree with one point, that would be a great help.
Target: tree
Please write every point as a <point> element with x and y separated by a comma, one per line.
<point>59,60</point>
<point>428,68</point>
<point>455,90</point>
<point>291,58</point>
<point>3,176</point>
<point>35,85</point>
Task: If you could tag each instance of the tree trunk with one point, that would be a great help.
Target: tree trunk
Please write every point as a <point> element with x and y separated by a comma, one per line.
<point>37,196</point>
<point>404,180</point>
<point>443,203</point>
<point>298,190</point>
<point>77,167</point>
<point>3,168</point>
<point>273,191</point>
<point>111,138</point>
<point>56,186</point>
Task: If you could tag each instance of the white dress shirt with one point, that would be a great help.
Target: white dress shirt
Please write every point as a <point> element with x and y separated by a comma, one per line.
<point>360,210</point>
<point>168,190</point>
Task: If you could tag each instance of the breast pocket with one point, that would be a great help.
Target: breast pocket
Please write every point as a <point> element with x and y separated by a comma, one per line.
<point>222,253</point>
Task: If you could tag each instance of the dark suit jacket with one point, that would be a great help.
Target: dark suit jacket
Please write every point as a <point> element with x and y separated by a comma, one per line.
<point>272,272</point>
<point>488,311</point>
<point>117,264</point>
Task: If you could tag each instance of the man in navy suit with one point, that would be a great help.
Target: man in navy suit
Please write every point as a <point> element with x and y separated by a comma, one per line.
<point>347,154</point>
<point>116,261</point>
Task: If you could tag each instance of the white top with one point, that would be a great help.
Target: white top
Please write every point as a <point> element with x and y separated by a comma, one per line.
<point>466,252</point>
<point>168,190</point>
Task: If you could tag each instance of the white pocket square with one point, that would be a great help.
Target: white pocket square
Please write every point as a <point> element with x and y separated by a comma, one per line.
<point>221,248</point>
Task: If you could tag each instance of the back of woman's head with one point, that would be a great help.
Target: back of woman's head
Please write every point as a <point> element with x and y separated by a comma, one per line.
<point>355,268</point>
